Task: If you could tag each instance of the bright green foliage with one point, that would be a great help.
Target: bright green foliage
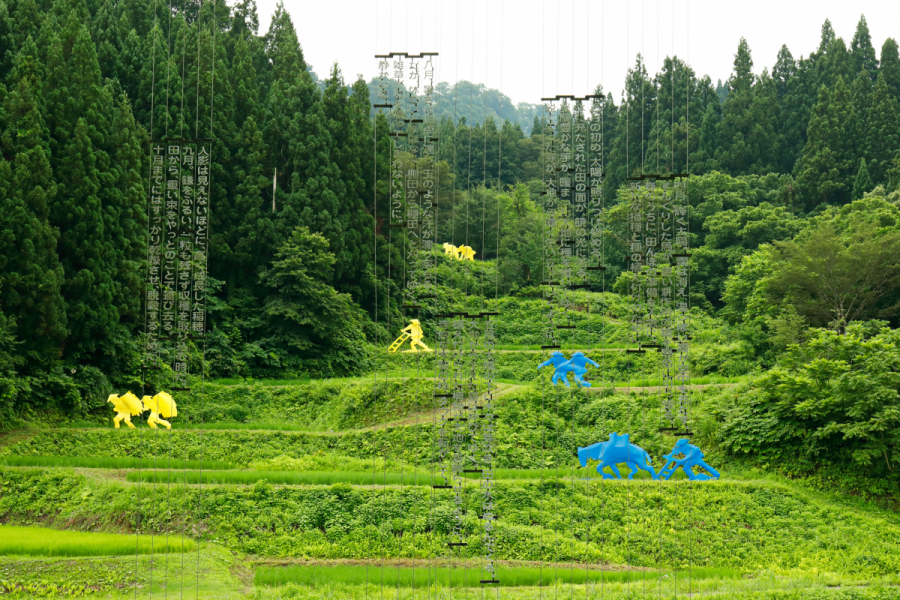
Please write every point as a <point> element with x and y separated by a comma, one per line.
<point>320,327</point>
<point>863,181</point>
<point>731,235</point>
<point>834,398</point>
<point>834,277</point>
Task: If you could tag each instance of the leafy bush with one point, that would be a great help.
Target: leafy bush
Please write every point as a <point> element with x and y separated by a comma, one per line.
<point>835,399</point>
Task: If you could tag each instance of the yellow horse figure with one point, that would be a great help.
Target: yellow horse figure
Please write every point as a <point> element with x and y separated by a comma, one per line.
<point>126,406</point>
<point>160,404</point>
<point>451,250</point>
<point>466,253</point>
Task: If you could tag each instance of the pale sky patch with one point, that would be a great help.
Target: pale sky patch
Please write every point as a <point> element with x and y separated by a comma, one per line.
<point>568,46</point>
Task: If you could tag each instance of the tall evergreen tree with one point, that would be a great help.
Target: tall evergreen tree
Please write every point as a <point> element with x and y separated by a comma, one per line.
<point>882,134</point>
<point>784,70</point>
<point>107,39</point>
<point>747,129</point>
<point>346,118</point>
<point>890,67</point>
<point>796,107</point>
<point>244,83</point>
<point>827,168</point>
<point>32,277</point>
<point>27,20</point>
<point>862,183</point>
<point>7,41</point>
<point>861,91</point>
<point>862,51</point>
<point>835,63</point>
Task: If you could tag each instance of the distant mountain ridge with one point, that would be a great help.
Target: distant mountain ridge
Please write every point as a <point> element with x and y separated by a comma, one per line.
<point>467,100</point>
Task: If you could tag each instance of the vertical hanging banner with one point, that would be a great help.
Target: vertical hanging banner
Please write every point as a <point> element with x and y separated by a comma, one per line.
<point>581,193</point>
<point>154,254</point>
<point>681,275</point>
<point>487,454</point>
<point>666,297</point>
<point>635,203</point>
<point>184,297</point>
<point>412,120</point>
<point>551,223</point>
<point>178,246</point>
<point>201,239</point>
<point>596,213</point>
<point>399,136</point>
<point>428,192</point>
<point>651,273</point>
<point>565,240</point>
<point>170,239</point>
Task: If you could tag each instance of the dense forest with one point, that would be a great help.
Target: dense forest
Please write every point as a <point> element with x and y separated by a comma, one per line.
<point>795,193</point>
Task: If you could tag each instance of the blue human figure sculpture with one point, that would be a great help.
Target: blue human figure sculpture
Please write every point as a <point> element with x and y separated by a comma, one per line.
<point>693,457</point>
<point>579,364</point>
<point>556,360</point>
<point>617,450</point>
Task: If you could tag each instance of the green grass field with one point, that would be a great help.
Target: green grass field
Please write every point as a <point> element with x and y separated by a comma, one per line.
<point>284,477</point>
<point>374,477</point>
<point>102,462</point>
<point>39,541</point>
<point>437,575</point>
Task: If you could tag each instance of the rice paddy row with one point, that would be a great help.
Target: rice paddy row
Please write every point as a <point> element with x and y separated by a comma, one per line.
<point>39,541</point>
<point>102,462</point>
<point>438,576</point>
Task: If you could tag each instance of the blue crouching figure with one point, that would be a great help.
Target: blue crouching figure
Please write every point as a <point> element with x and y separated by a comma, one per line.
<point>577,365</point>
<point>693,457</point>
<point>617,450</point>
<point>556,360</point>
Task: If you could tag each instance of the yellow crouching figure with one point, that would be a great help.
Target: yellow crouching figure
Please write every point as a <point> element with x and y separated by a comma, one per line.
<point>126,406</point>
<point>160,404</point>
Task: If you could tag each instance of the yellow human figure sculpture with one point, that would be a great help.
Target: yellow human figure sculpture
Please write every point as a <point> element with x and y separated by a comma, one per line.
<point>466,253</point>
<point>413,333</point>
<point>160,404</point>
<point>125,406</point>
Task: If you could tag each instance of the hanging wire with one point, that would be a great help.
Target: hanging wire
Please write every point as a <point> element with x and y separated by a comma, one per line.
<point>146,330</point>
<point>556,446</point>
<point>375,266</point>
<point>181,120</point>
<point>432,572</point>
<point>499,190</point>
<point>390,249</point>
<point>544,276</point>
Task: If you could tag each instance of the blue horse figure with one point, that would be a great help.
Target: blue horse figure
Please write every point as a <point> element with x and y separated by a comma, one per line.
<point>617,450</point>
<point>577,365</point>
<point>693,457</point>
<point>556,360</point>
